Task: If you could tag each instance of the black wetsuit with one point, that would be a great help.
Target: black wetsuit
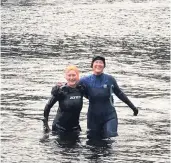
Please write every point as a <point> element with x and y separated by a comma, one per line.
<point>70,105</point>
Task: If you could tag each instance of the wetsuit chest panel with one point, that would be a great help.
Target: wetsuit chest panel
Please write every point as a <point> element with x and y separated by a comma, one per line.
<point>99,94</point>
<point>98,88</point>
<point>71,102</point>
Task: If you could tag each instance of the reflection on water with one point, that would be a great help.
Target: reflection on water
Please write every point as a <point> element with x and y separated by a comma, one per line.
<point>40,38</point>
<point>100,150</point>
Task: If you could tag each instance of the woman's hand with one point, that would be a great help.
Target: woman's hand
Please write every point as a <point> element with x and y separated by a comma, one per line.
<point>59,84</point>
<point>135,110</point>
<point>45,126</point>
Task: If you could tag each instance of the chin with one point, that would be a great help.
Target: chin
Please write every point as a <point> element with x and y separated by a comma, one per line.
<point>98,72</point>
<point>72,84</point>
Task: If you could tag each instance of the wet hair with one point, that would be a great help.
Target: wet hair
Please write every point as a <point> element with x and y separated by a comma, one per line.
<point>74,68</point>
<point>98,58</point>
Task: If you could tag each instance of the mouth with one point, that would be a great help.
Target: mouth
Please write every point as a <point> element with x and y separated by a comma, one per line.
<point>98,68</point>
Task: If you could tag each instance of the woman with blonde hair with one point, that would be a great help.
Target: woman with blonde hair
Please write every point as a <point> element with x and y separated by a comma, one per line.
<point>70,98</point>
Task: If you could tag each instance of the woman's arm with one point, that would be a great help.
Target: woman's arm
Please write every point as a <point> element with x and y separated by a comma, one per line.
<point>49,105</point>
<point>118,92</point>
<point>54,98</point>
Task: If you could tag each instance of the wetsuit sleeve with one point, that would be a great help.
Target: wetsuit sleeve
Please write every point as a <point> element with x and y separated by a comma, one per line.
<point>118,92</point>
<point>54,98</point>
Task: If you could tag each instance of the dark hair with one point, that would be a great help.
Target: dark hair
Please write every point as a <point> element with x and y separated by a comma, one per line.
<point>98,58</point>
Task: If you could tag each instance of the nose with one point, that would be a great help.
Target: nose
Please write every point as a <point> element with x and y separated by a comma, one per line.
<point>98,63</point>
<point>72,77</point>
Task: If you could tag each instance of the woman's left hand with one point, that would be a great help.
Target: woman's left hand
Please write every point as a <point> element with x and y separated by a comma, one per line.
<point>135,110</point>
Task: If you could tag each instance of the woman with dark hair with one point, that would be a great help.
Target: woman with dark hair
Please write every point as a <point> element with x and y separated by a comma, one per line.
<point>102,121</point>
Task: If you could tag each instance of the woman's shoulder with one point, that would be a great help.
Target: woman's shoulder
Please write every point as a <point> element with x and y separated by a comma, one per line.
<point>57,89</point>
<point>86,78</point>
<point>110,78</point>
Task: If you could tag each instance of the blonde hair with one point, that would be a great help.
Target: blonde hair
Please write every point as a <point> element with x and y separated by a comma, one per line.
<point>74,68</point>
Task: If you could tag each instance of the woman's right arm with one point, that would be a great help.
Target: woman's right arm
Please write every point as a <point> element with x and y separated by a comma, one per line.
<point>49,105</point>
<point>54,98</point>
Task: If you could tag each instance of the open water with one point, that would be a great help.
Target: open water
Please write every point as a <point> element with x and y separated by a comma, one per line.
<point>39,38</point>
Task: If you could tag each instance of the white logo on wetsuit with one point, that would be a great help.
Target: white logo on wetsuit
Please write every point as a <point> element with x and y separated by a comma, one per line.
<point>105,86</point>
<point>75,97</point>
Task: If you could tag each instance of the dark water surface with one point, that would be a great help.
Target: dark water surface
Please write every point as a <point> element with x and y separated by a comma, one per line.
<point>40,37</point>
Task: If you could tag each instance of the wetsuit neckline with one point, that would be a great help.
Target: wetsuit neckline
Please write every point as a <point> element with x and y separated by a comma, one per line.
<point>98,76</point>
<point>70,86</point>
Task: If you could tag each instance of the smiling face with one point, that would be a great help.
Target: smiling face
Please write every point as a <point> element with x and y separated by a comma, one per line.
<point>71,77</point>
<point>98,66</point>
